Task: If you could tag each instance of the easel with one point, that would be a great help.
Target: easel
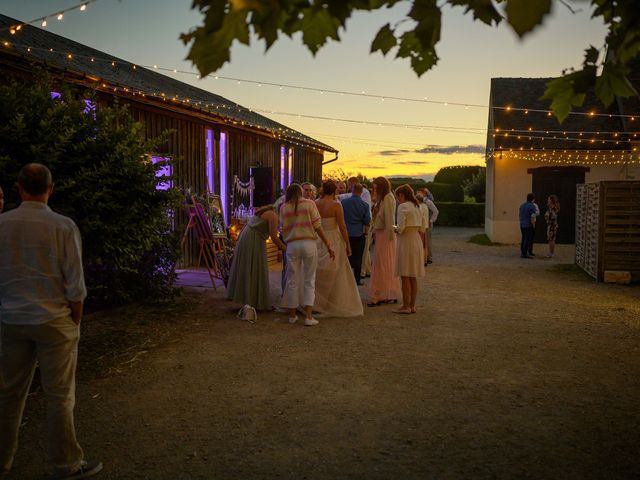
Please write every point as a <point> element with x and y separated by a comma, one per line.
<point>210,244</point>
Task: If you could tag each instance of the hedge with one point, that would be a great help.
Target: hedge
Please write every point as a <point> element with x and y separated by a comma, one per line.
<point>445,192</point>
<point>457,214</point>
<point>456,175</point>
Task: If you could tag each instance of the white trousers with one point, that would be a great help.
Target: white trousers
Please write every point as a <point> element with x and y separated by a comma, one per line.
<point>302,260</point>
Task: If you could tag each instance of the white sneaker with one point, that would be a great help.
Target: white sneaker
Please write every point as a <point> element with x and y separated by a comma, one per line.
<point>309,322</point>
<point>293,320</point>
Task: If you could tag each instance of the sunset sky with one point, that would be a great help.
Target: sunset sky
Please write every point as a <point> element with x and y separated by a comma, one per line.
<point>146,32</point>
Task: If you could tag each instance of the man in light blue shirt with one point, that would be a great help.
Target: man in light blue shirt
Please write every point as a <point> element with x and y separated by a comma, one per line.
<point>41,296</point>
<point>357,217</point>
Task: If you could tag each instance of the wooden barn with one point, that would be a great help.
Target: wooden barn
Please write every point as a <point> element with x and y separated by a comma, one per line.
<point>529,151</point>
<point>215,141</point>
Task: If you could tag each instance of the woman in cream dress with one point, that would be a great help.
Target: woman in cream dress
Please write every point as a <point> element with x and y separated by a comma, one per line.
<point>410,252</point>
<point>336,290</point>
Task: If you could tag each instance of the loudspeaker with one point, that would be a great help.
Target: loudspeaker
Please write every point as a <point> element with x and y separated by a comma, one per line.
<point>263,191</point>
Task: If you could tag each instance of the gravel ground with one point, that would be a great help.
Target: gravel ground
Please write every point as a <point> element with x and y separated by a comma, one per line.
<point>512,368</point>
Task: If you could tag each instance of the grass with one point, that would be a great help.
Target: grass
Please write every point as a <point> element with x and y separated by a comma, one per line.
<point>482,239</point>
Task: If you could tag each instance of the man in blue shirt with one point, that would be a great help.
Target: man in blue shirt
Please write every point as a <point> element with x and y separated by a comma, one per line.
<point>527,216</point>
<point>357,217</point>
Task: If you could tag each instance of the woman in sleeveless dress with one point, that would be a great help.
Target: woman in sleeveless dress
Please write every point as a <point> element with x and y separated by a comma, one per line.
<point>384,285</point>
<point>336,290</point>
<point>249,276</point>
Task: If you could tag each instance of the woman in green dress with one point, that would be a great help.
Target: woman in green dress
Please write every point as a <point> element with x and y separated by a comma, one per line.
<point>249,277</point>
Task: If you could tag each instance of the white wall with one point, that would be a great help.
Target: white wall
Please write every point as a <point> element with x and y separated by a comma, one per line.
<point>509,183</point>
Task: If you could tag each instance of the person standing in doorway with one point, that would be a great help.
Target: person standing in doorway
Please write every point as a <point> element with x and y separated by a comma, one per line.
<point>551,217</point>
<point>41,297</point>
<point>527,217</point>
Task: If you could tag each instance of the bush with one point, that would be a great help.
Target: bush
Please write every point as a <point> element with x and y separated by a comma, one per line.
<point>104,181</point>
<point>414,183</point>
<point>456,174</point>
<point>475,187</point>
<point>443,192</point>
<point>456,214</point>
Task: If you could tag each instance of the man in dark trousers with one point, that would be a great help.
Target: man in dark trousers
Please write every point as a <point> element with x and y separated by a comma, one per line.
<point>527,216</point>
<point>41,296</point>
<point>357,218</point>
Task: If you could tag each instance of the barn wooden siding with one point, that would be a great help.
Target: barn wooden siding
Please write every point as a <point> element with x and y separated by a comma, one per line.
<point>608,228</point>
<point>186,145</point>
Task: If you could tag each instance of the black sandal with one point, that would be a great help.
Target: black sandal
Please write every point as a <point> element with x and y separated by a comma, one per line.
<point>374,304</point>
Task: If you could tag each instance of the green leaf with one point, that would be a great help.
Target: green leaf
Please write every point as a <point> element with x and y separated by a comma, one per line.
<point>421,59</point>
<point>613,82</point>
<point>211,50</point>
<point>424,62</point>
<point>525,15</point>
<point>385,40</point>
<point>591,55</point>
<point>428,17</point>
<point>562,95</point>
<point>317,27</point>
<point>483,10</point>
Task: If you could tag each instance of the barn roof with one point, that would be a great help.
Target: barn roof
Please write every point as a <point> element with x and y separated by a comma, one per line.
<point>519,120</point>
<point>56,52</point>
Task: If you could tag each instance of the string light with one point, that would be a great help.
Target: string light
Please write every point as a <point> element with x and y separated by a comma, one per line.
<point>13,29</point>
<point>362,93</point>
<point>288,132</point>
<point>562,157</point>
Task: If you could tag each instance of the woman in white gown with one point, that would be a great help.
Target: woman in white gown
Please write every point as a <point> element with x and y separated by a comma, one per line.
<point>336,290</point>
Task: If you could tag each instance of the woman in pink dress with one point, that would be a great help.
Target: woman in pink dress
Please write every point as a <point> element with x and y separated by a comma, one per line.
<point>384,285</point>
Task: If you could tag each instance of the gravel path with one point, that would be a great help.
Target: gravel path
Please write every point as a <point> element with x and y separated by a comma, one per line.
<point>511,369</point>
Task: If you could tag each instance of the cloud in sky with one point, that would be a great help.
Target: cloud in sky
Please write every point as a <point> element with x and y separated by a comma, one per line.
<point>441,149</point>
<point>451,149</point>
<point>411,162</point>
<point>373,167</point>
<point>391,153</point>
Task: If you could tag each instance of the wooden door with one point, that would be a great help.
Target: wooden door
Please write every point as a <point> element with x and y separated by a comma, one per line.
<point>562,182</point>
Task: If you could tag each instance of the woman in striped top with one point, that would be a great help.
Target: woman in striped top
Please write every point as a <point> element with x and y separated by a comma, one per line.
<point>301,223</point>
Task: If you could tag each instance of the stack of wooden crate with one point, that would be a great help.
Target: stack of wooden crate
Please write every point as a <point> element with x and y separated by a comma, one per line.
<point>608,230</point>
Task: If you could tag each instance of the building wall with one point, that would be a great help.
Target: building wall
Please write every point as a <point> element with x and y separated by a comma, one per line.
<point>508,183</point>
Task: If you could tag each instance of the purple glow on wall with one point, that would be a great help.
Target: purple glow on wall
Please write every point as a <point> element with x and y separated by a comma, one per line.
<point>209,145</point>
<point>166,170</point>
<point>224,192</point>
<point>290,165</point>
<point>282,167</point>
<point>89,105</point>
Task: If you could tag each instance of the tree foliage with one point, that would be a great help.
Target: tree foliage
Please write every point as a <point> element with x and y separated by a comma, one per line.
<point>103,181</point>
<point>415,38</point>
<point>476,186</point>
<point>456,174</point>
